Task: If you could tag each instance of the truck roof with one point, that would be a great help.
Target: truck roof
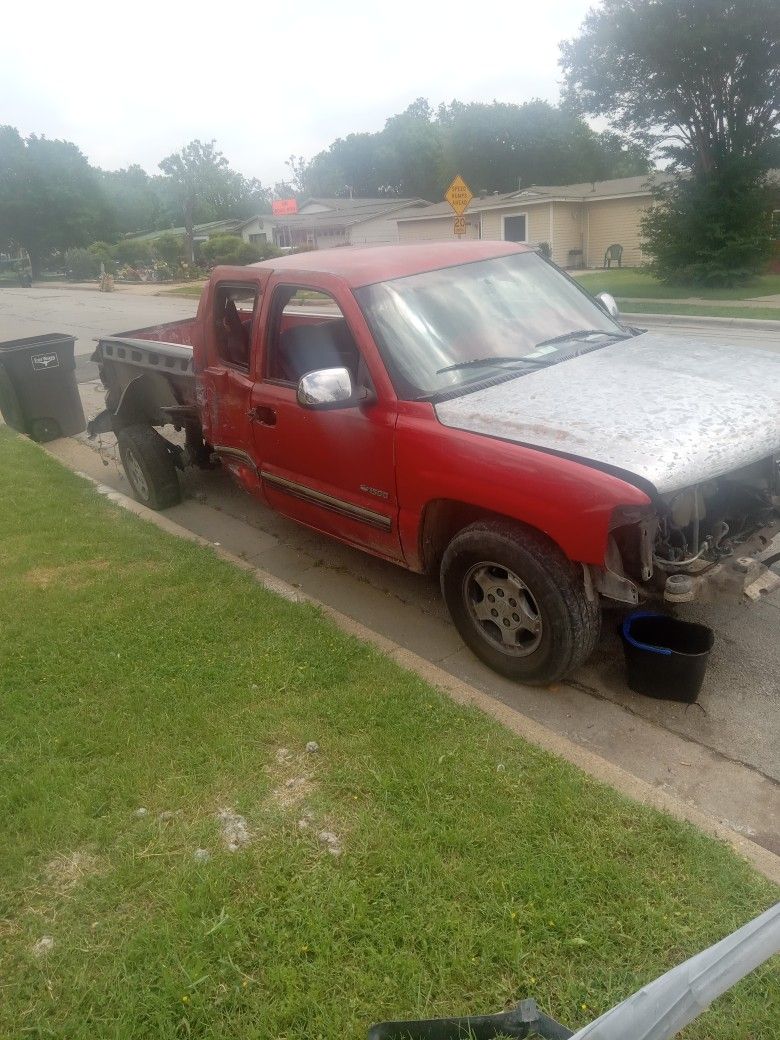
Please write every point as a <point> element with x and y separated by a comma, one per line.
<point>365,265</point>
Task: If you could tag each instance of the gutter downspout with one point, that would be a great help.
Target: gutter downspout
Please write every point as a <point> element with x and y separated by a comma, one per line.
<point>550,229</point>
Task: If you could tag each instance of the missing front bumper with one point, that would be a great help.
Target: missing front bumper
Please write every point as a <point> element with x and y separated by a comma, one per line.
<point>733,577</point>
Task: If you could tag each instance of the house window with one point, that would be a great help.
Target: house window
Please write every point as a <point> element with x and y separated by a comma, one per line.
<point>283,237</point>
<point>261,237</point>
<point>514,229</point>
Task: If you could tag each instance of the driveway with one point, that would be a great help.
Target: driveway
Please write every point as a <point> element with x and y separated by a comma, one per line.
<point>721,754</point>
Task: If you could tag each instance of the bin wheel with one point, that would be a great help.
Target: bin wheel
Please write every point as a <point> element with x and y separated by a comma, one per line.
<point>10,405</point>
<point>149,466</point>
<point>43,430</point>
<point>518,603</point>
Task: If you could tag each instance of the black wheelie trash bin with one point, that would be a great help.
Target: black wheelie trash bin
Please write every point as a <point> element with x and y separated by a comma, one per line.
<point>39,395</point>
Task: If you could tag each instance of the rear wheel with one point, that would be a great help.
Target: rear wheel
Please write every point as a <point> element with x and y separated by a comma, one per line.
<point>149,466</point>
<point>518,602</point>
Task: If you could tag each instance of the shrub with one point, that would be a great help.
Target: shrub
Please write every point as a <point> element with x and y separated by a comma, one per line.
<point>170,249</point>
<point>709,230</point>
<point>267,250</point>
<point>545,250</point>
<point>133,251</point>
<point>229,249</point>
<point>81,265</point>
<point>104,253</point>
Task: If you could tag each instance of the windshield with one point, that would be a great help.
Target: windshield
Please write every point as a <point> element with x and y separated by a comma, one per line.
<point>455,327</point>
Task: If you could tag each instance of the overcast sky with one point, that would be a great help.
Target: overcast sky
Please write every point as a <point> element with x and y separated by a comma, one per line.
<point>132,82</point>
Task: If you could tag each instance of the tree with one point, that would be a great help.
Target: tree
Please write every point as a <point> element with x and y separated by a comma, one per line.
<point>494,146</point>
<point>298,170</point>
<point>701,77</point>
<point>204,187</point>
<point>710,230</point>
<point>134,199</point>
<point>700,80</point>
<point>502,146</point>
<point>50,197</point>
<point>409,156</point>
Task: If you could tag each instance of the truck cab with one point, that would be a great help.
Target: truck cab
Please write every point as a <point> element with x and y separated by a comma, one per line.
<point>321,453</point>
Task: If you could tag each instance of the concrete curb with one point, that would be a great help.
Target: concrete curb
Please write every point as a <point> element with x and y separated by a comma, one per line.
<point>695,321</point>
<point>764,861</point>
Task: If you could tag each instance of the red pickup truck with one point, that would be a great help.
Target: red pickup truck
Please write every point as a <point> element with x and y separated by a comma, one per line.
<point>467,409</point>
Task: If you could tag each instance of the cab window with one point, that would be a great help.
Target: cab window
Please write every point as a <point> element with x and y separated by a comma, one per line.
<point>308,331</point>
<point>235,310</point>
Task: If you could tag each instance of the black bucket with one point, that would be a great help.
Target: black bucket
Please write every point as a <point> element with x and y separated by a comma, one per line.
<point>665,658</point>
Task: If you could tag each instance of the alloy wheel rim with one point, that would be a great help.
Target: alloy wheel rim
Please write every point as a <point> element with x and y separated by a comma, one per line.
<point>502,609</point>
<point>136,475</point>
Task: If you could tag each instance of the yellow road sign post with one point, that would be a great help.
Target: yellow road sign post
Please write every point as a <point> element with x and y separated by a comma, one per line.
<point>459,195</point>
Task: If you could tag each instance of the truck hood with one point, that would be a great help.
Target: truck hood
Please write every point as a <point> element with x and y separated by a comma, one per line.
<point>673,411</point>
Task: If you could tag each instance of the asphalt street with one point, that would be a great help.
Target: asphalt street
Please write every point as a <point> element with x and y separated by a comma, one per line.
<point>722,754</point>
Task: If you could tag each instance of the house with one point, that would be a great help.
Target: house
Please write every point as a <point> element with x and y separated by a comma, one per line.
<point>578,221</point>
<point>320,223</point>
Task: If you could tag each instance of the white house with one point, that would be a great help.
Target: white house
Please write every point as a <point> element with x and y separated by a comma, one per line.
<point>321,223</point>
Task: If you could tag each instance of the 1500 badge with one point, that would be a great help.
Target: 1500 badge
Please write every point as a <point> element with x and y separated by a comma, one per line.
<point>374,491</point>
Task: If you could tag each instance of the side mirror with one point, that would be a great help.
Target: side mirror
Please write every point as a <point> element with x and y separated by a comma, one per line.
<point>328,388</point>
<point>608,303</point>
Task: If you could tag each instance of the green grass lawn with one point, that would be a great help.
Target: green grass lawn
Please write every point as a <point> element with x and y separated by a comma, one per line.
<point>138,671</point>
<point>635,283</point>
<point>701,310</point>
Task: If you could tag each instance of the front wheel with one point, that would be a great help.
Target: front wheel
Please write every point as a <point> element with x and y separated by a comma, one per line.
<point>518,603</point>
<point>149,466</point>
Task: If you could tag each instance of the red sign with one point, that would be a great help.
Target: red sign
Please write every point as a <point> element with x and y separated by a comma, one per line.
<point>284,207</point>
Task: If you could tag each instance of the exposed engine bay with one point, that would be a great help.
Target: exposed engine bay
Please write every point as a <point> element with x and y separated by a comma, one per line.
<point>708,522</point>
<point>700,542</point>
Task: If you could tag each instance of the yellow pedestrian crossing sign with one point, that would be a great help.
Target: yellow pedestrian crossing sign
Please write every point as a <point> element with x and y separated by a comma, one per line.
<point>459,195</point>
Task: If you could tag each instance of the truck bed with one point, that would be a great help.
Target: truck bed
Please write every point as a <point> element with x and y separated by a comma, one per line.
<point>149,371</point>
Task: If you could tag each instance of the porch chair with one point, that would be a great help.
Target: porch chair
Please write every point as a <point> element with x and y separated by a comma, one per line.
<point>613,253</point>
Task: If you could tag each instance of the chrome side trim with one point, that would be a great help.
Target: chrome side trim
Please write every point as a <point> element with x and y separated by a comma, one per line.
<point>336,505</point>
<point>235,453</point>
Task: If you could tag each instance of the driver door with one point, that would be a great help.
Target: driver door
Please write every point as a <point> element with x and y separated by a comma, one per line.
<point>332,470</point>
<point>231,329</point>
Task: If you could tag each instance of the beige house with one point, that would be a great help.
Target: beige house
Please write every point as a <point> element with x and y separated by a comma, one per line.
<point>578,221</point>
<point>321,223</point>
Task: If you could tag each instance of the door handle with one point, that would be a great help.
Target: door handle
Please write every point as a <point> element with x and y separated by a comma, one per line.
<point>262,414</point>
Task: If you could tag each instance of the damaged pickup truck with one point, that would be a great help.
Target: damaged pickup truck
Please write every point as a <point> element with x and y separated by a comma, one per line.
<point>467,409</point>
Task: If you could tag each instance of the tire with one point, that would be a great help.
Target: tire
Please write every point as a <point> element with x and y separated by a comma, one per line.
<point>149,466</point>
<point>10,405</point>
<point>545,626</point>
